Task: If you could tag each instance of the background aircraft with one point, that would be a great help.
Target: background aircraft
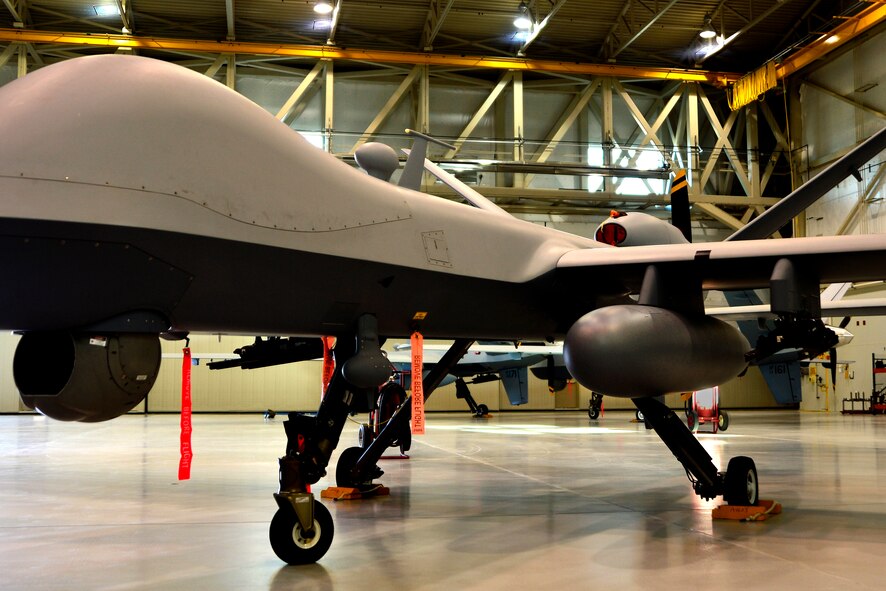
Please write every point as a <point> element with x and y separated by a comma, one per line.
<point>221,219</point>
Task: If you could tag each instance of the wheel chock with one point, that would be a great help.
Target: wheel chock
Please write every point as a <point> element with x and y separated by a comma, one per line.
<point>760,512</point>
<point>347,493</point>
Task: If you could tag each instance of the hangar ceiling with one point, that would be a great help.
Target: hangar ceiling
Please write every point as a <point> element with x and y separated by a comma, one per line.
<point>603,49</point>
<point>631,32</point>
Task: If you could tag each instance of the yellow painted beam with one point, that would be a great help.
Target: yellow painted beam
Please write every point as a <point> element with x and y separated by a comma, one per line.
<point>854,26</point>
<point>369,55</point>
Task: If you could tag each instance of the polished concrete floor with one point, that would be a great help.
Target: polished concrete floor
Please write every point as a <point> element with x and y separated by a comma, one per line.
<point>518,501</point>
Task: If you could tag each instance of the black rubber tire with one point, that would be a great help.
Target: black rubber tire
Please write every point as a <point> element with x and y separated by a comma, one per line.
<point>740,485</point>
<point>482,410</point>
<point>639,415</point>
<point>405,439</point>
<point>692,421</point>
<point>365,436</point>
<point>288,543</point>
<point>723,420</point>
<point>389,400</point>
<point>343,469</point>
<point>593,413</point>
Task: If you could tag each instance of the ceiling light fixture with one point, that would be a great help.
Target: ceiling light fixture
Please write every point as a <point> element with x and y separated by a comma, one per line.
<point>105,10</point>
<point>708,31</point>
<point>322,7</point>
<point>523,21</point>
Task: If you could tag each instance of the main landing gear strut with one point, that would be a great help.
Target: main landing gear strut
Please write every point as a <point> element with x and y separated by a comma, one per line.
<point>738,485</point>
<point>302,529</point>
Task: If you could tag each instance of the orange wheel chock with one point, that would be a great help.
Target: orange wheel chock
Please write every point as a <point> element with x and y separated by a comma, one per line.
<point>760,512</point>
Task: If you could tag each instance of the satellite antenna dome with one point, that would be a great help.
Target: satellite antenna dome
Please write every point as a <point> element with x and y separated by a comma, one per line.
<point>379,160</point>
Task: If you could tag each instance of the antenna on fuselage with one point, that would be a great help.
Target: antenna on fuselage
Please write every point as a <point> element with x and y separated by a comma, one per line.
<point>417,158</point>
<point>415,163</point>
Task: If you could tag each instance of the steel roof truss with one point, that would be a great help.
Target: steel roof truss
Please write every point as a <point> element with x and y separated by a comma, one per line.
<point>388,107</point>
<point>437,13</point>
<point>481,112</point>
<point>299,92</point>
<point>730,151</point>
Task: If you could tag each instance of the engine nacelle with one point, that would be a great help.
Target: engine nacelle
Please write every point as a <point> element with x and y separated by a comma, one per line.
<point>632,351</point>
<point>85,377</point>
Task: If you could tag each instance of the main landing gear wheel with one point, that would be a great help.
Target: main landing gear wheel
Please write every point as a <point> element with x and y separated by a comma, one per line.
<point>692,421</point>
<point>294,545</point>
<point>390,399</point>
<point>344,469</point>
<point>723,420</point>
<point>740,484</point>
<point>593,413</point>
<point>365,436</point>
<point>405,440</point>
<point>482,411</point>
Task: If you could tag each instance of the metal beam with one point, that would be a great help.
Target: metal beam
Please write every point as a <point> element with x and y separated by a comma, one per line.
<point>743,30</point>
<point>328,103</point>
<point>15,15</point>
<point>229,12</point>
<point>122,9</point>
<point>423,102</point>
<point>22,61</point>
<point>69,18</point>
<point>649,130</point>
<point>212,70</point>
<point>481,112</point>
<point>379,56</point>
<point>718,214</point>
<point>781,145</point>
<point>643,29</point>
<point>388,107</point>
<point>722,140</point>
<point>740,202</point>
<point>863,199</point>
<point>333,25</point>
<point>437,14</point>
<point>537,27</point>
<point>231,72</point>
<point>519,126</point>
<point>300,90</point>
<point>851,28</point>
<point>840,97</point>
<point>606,40</point>
<point>8,53</point>
<point>730,152</point>
<point>567,119</point>
<point>752,143</point>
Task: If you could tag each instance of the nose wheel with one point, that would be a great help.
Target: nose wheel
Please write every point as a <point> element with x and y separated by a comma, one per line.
<point>294,544</point>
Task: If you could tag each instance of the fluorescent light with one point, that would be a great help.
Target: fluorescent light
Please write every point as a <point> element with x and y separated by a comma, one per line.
<point>106,10</point>
<point>523,22</point>
<point>322,7</point>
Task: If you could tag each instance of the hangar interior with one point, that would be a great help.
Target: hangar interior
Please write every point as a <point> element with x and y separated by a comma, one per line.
<point>560,143</point>
<point>589,110</point>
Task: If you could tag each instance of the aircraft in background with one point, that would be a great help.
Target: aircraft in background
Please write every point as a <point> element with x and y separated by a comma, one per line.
<point>482,363</point>
<point>141,199</point>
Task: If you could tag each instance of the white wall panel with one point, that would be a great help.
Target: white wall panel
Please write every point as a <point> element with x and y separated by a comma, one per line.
<point>9,400</point>
<point>832,126</point>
